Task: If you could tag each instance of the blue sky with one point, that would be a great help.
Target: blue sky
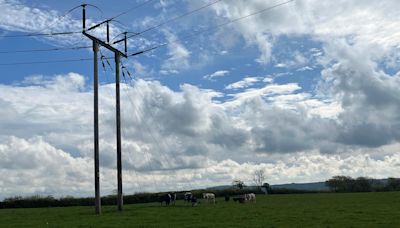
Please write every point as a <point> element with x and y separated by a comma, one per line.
<point>303,91</point>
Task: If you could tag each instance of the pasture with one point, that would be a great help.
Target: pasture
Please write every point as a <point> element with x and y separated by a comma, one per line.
<point>297,210</point>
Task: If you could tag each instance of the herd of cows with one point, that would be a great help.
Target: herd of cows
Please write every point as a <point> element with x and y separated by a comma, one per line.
<point>189,198</point>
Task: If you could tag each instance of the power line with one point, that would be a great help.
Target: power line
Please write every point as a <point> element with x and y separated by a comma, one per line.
<point>44,62</point>
<point>160,45</point>
<point>213,28</point>
<point>39,34</point>
<point>175,18</point>
<point>45,50</point>
<point>131,9</point>
<point>118,15</point>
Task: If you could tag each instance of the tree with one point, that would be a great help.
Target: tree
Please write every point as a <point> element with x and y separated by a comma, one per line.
<point>393,184</point>
<point>259,177</point>
<point>363,184</point>
<point>340,184</point>
<point>267,188</point>
<point>238,183</point>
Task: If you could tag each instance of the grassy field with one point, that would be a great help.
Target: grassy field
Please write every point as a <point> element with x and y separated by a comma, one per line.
<point>308,210</point>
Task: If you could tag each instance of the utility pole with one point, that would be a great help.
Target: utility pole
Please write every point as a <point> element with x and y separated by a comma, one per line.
<point>96,129</point>
<point>118,119</point>
<point>96,44</point>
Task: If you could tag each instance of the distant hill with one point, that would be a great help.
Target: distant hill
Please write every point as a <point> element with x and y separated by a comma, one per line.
<point>314,186</point>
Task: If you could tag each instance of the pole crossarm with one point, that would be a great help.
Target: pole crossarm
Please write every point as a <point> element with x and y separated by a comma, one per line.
<point>99,24</point>
<point>104,44</point>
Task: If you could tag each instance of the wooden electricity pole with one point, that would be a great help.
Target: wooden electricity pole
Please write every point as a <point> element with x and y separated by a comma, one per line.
<point>117,54</point>
<point>96,129</point>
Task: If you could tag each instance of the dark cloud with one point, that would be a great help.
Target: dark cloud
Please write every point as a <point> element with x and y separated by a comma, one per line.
<point>370,98</point>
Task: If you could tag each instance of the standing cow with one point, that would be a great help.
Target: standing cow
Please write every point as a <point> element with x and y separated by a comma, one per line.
<point>187,197</point>
<point>165,198</point>
<point>251,197</point>
<point>209,196</point>
<point>173,198</point>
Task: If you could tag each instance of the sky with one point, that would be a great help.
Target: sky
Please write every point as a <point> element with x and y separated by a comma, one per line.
<point>303,91</point>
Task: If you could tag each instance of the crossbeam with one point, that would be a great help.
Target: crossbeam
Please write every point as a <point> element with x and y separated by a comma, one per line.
<point>104,44</point>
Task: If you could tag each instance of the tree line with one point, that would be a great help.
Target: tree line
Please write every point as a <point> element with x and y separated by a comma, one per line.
<point>362,184</point>
<point>50,201</point>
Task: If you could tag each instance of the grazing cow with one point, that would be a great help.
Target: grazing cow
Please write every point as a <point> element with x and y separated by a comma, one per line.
<point>240,199</point>
<point>209,197</point>
<point>187,197</point>
<point>193,200</point>
<point>251,197</point>
<point>173,198</point>
<point>227,198</point>
<point>165,198</point>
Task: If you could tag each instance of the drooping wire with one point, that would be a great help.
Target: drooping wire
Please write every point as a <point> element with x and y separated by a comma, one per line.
<point>45,62</point>
<point>136,112</point>
<point>39,33</point>
<point>118,15</point>
<point>45,50</point>
<point>163,44</point>
<point>131,9</point>
<point>164,142</point>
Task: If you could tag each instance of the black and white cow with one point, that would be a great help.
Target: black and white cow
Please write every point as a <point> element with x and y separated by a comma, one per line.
<point>188,197</point>
<point>173,198</point>
<point>165,198</point>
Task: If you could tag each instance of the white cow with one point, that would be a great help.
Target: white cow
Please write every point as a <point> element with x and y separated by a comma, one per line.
<point>251,197</point>
<point>209,197</point>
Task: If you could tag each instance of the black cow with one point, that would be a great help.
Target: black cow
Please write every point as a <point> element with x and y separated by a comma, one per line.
<point>165,198</point>
<point>227,198</point>
<point>173,198</point>
<point>193,200</point>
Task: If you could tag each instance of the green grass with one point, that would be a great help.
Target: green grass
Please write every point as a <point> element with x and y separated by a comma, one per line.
<point>308,210</point>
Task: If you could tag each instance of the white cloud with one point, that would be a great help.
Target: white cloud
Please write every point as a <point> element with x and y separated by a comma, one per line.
<point>349,126</point>
<point>298,60</point>
<point>367,22</point>
<point>306,68</point>
<point>172,137</point>
<point>216,74</point>
<point>17,16</point>
<point>244,83</point>
<point>271,89</point>
<point>178,56</point>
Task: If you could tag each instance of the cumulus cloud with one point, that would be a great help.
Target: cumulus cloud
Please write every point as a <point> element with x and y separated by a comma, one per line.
<point>366,22</point>
<point>369,96</point>
<point>166,133</point>
<point>216,74</point>
<point>179,56</point>
<point>16,16</point>
<point>244,83</point>
<point>185,138</point>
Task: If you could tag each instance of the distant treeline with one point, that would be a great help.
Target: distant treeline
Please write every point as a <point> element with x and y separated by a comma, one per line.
<point>362,184</point>
<point>50,201</point>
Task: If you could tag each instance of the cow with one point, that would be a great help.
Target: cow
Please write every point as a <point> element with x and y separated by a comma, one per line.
<point>209,197</point>
<point>173,198</point>
<point>165,198</point>
<point>227,198</point>
<point>187,197</point>
<point>193,200</point>
<point>251,197</point>
<point>240,199</point>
